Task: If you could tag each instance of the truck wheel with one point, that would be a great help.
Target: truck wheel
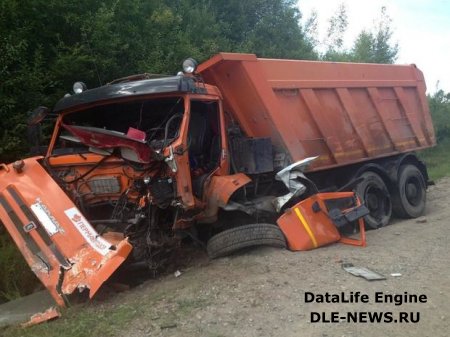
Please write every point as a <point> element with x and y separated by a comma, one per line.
<point>235,239</point>
<point>410,196</point>
<point>375,195</point>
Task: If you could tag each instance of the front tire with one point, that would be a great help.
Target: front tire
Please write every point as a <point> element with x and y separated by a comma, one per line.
<point>238,238</point>
<point>410,196</point>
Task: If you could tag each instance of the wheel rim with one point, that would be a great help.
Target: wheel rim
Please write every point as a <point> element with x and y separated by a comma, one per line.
<point>413,191</point>
<point>376,201</point>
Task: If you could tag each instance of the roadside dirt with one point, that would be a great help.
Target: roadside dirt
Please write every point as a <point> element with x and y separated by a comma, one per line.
<point>261,292</point>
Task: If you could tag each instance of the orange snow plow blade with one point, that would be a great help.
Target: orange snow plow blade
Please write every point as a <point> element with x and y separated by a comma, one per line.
<point>59,244</point>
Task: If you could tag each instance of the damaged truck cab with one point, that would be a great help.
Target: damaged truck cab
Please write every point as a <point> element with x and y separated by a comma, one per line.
<point>126,168</point>
<point>136,166</point>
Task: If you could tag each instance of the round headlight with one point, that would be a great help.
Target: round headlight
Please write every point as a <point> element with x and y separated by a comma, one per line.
<point>79,87</point>
<point>189,66</point>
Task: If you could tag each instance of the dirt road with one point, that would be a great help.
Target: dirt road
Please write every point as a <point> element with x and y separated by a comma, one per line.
<point>262,292</point>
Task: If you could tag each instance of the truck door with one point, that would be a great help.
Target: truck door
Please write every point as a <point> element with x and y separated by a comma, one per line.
<point>204,142</point>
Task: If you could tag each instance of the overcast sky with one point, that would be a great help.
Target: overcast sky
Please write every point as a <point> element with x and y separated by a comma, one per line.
<point>421,28</point>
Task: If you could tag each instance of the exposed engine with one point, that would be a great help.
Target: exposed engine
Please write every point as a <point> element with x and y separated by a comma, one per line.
<point>123,199</point>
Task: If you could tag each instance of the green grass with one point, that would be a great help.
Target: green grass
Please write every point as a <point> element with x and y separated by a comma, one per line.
<point>91,319</point>
<point>187,305</point>
<point>158,306</point>
<point>437,160</point>
<point>16,277</point>
<point>79,322</point>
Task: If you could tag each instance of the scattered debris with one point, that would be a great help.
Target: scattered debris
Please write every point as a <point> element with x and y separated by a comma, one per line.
<point>422,220</point>
<point>170,325</point>
<point>47,315</point>
<point>22,310</point>
<point>177,273</point>
<point>368,274</point>
<point>396,274</point>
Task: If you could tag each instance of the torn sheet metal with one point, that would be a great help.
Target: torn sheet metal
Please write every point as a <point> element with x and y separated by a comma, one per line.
<point>219,189</point>
<point>20,311</point>
<point>41,317</point>
<point>368,274</point>
<point>264,203</point>
<point>289,176</point>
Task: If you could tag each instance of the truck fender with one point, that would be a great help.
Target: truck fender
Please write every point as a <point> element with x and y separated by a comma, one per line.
<point>411,158</point>
<point>378,169</point>
<point>219,191</point>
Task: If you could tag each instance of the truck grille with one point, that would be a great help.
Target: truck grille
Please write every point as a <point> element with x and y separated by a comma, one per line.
<point>105,185</point>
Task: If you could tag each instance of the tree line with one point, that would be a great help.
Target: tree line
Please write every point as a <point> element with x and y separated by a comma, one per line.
<point>47,45</point>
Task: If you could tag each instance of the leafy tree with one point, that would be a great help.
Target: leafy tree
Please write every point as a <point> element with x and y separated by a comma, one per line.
<point>363,46</point>
<point>334,40</point>
<point>268,28</point>
<point>278,34</point>
<point>311,29</point>
<point>440,111</point>
<point>338,26</point>
<point>375,46</point>
<point>371,46</point>
<point>23,77</point>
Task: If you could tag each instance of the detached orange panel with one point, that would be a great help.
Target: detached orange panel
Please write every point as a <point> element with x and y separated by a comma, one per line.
<point>305,229</point>
<point>58,242</point>
<point>41,317</point>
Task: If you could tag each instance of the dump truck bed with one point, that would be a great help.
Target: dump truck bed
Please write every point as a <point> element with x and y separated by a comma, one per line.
<point>342,112</point>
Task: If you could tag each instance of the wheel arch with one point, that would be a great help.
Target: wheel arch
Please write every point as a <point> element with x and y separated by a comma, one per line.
<point>378,169</point>
<point>411,158</point>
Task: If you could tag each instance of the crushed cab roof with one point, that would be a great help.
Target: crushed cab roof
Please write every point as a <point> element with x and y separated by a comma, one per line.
<point>127,89</point>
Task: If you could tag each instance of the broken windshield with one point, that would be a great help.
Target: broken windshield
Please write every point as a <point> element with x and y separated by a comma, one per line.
<point>154,121</point>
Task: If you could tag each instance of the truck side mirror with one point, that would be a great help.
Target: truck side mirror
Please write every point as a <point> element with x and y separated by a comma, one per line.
<point>37,115</point>
<point>34,134</point>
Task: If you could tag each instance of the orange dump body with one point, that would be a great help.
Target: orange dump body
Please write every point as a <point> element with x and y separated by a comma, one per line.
<point>342,112</point>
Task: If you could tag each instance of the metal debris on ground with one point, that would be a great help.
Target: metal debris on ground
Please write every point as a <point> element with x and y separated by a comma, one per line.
<point>396,274</point>
<point>177,273</point>
<point>27,309</point>
<point>368,274</point>
<point>47,315</point>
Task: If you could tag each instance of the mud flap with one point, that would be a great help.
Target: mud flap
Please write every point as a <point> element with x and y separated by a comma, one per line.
<point>58,243</point>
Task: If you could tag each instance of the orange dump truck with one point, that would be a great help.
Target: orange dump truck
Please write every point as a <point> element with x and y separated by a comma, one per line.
<point>219,155</point>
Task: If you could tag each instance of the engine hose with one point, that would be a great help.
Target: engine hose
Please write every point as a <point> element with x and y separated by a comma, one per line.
<point>87,172</point>
<point>166,129</point>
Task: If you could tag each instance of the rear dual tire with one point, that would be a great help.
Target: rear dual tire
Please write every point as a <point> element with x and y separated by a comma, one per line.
<point>409,198</point>
<point>375,195</point>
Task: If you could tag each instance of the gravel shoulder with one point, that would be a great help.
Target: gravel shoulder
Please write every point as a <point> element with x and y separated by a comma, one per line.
<point>261,292</point>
